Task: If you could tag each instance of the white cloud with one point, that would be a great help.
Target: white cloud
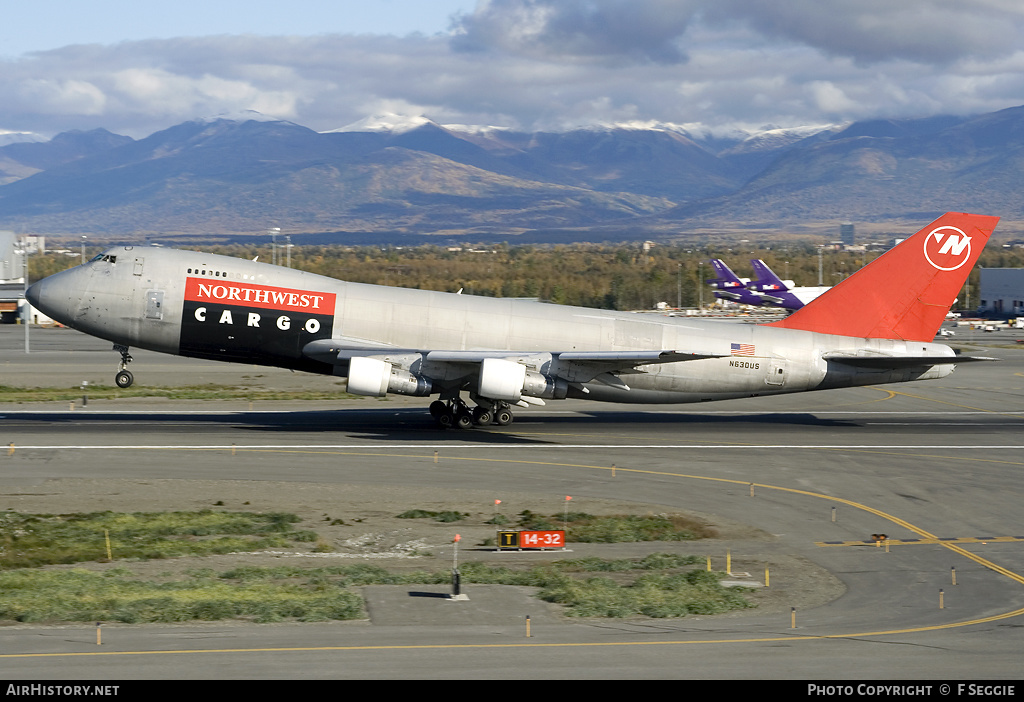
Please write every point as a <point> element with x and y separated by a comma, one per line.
<point>830,99</point>
<point>532,64</point>
<point>938,32</point>
<point>55,97</point>
<point>603,30</point>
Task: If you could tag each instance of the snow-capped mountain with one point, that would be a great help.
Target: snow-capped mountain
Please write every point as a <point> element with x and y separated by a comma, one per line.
<point>388,173</point>
<point>384,122</point>
<point>7,137</point>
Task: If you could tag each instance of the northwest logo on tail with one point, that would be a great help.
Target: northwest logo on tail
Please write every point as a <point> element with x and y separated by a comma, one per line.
<point>947,248</point>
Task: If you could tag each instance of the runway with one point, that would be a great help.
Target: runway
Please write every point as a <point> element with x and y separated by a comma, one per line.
<point>934,465</point>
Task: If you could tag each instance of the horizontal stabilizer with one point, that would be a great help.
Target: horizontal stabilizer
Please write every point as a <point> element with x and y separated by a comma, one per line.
<point>878,361</point>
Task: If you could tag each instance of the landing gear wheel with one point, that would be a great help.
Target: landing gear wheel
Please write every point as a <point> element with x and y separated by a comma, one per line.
<point>453,413</point>
<point>124,379</point>
<point>503,417</point>
<point>482,416</point>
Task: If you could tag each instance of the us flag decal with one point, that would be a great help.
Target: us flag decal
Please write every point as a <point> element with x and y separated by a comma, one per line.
<point>742,349</point>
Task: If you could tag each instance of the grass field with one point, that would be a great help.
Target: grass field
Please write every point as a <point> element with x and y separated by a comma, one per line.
<point>33,590</point>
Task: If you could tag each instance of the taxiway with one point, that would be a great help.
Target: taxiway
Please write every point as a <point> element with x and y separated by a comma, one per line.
<point>937,461</point>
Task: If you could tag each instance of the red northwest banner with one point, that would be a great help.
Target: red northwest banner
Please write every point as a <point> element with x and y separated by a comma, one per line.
<point>261,296</point>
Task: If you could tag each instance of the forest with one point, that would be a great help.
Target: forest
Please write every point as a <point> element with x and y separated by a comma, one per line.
<point>620,277</point>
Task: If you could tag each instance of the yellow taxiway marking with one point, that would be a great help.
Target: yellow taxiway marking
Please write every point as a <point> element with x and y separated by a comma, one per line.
<point>945,402</point>
<point>915,542</point>
<point>925,536</point>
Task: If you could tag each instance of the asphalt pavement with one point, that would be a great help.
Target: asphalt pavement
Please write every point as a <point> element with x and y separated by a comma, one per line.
<point>935,465</point>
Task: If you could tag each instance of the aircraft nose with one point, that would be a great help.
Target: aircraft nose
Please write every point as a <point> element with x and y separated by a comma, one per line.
<point>35,293</point>
<point>52,296</point>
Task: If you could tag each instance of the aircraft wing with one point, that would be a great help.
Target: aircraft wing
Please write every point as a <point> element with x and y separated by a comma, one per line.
<point>340,350</point>
<point>623,358</point>
<point>347,343</point>
<point>440,365</point>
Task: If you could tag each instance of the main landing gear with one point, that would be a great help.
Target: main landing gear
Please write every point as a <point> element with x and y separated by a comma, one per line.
<point>456,413</point>
<point>124,377</point>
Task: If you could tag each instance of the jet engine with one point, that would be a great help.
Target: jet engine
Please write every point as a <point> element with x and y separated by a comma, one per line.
<point>509,381</point>
<point>374,377</point>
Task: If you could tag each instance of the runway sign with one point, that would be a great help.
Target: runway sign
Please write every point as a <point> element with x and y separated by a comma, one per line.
<point>531,539</point>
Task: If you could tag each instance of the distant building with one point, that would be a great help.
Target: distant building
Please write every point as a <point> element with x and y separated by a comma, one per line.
<point>12,259</point>
<point>32,244</point>
<point>12,278</point>
<point>846,234</point>
<point>13,252</point>
<point>1002,291</point>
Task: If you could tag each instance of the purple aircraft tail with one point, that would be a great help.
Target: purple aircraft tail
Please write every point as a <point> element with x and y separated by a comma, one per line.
<point>771,288</point>
<point>728,286</point>
<point>766,280</point>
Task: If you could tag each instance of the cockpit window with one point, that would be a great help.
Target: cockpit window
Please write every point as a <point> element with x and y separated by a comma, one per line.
<point>103,257</point>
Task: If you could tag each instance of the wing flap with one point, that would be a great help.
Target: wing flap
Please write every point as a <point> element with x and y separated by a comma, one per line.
<point>636,357</point>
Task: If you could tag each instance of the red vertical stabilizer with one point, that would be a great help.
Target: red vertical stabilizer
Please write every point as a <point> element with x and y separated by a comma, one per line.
<point>906,292</point>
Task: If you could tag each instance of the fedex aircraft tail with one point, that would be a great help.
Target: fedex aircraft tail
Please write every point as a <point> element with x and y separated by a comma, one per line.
<point>906,292</point>
<point>726,278</point>
<point>729,286</point>
<point>766,280</point>
<point>772,289</point>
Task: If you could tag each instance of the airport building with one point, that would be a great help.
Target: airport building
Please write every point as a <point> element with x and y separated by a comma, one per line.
<point>14,251</point>
<point>1002,292</point>
<point>12,278</point>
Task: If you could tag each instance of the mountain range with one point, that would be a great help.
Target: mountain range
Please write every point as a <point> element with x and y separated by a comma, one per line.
<point>380,181</point>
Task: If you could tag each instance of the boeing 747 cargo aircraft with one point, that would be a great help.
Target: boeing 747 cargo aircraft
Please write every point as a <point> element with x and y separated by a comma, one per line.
<point>874,327</point>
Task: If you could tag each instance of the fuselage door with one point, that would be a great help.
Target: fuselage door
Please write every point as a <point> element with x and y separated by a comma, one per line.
<point>154,304</point>
<point>776,372</point>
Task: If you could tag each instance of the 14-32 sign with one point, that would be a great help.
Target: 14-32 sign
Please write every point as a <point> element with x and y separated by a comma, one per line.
<point>531,539</point>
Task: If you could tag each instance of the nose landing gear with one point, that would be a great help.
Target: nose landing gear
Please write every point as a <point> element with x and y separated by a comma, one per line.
<point>124,377</point>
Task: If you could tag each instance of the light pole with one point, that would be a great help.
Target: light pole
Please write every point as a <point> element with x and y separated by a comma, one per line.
<point>700,283</point>
<point>26,305</point>
<point>274,231</point>
<point>679,285</point>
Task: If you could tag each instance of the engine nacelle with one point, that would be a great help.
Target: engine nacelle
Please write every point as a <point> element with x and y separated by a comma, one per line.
<point>501,379</point>
<point>509,381</point>
<point>374,377</point>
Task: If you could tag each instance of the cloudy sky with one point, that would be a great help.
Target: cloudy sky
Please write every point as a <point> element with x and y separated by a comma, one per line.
<point>137,67</point>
